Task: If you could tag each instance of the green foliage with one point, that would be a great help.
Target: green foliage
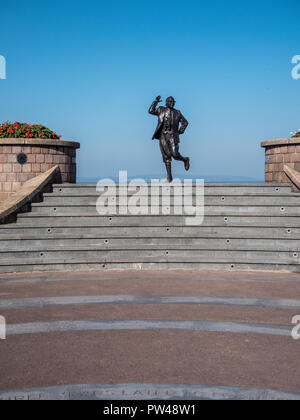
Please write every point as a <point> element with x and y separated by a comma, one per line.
<point>295,134</point>
<point>18,130</point>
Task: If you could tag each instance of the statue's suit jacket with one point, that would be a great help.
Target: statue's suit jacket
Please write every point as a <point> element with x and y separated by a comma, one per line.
<point>177,118</point>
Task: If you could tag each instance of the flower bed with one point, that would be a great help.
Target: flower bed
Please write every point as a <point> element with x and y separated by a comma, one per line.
<point>18,130</point>
<point>295,134</point>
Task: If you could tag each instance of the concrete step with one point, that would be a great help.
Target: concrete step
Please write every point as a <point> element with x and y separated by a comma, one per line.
<point>237,199</point>
<point>274,192</point>
<point>73,219</point>
<point>271,210</point>
<point>16,231</point>
<point>156,253</point>
<point>205,263</point>
<point>226,219</point>
<point>246,226</point>
<point>186,244</point>
<point>219,189</point>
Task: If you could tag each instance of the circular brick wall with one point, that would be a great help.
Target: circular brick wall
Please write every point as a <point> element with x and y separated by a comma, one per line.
<point>279,153</point>
<point>41,155</point>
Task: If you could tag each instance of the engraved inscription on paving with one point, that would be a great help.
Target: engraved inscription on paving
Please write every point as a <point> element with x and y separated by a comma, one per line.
<point>132,392</point>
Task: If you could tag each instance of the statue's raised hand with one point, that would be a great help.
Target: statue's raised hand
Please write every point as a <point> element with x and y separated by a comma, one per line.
<point>158,99</point>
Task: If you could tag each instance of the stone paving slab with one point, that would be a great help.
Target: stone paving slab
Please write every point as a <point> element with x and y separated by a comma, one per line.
<point>182,334</point>
<point>248,314</point>
<point>146,392</point>
<point>191,357</point>
<point>153,286</point>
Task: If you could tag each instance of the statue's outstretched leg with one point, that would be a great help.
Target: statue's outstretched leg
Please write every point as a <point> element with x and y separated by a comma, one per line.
<point>177,156</point>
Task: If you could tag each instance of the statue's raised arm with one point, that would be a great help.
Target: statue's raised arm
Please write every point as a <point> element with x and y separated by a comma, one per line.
<point>152,109</point>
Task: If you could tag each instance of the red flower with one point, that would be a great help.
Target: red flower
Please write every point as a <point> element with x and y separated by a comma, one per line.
<point>27,130</point>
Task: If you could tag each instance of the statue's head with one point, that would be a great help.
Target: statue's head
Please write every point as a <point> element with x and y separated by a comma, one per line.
<point>170,102</point>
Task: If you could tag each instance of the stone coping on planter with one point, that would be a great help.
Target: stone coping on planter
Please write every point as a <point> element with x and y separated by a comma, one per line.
<point>26,193</point>
<point>280,142</point>
<point>40,142</point>
<point>293,175</point>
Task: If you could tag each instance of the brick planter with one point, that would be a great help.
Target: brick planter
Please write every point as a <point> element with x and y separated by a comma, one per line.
<point>279,153</point>
<point>40,156</point>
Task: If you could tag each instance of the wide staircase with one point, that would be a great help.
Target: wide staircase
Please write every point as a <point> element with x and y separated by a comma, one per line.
<point>246,226</point>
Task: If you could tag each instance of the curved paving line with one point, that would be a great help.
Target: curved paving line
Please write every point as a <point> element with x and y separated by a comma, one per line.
<point>214,326</point>
<point>49,280</point>
<point>148,299</point>
<point>149,391</point>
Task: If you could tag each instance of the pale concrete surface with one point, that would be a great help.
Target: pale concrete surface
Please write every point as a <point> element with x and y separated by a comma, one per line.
<point>246,226</point>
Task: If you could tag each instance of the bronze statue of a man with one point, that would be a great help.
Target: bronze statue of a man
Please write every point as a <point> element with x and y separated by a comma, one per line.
<point>167,132</point>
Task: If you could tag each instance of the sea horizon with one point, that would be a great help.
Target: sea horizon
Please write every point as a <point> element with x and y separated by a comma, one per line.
<point>207,179</point>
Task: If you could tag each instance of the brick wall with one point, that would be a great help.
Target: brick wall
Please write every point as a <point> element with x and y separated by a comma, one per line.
<point>278,153</point>
<point>40,158</point>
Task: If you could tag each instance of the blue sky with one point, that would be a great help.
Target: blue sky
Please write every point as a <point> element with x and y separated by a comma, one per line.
<point>90,69</point>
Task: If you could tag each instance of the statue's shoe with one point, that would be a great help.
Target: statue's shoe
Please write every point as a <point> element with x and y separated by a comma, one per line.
<point>170,180</point>
<point>187,164</point>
